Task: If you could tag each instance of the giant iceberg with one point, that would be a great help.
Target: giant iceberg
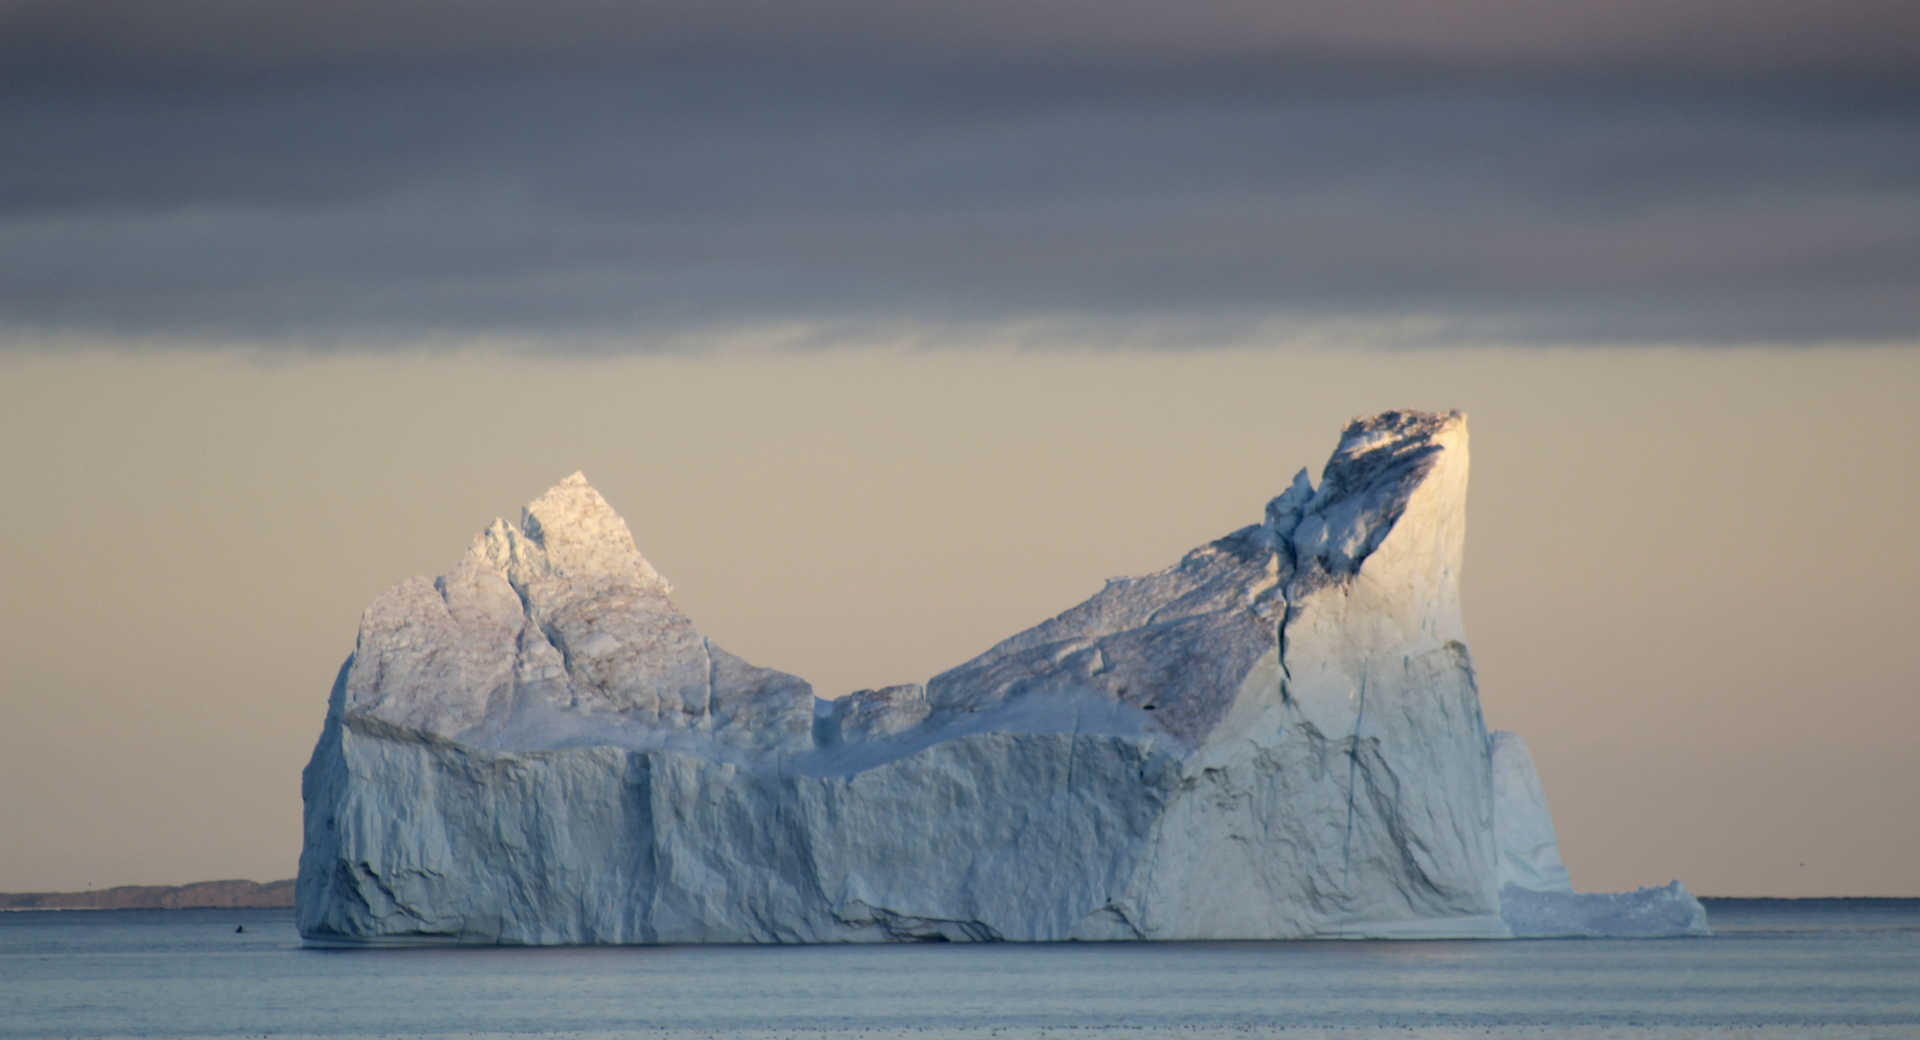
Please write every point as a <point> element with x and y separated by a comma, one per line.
<point>1277,737</point>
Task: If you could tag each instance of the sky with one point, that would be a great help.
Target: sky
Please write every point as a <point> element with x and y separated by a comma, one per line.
<point>894,328</point>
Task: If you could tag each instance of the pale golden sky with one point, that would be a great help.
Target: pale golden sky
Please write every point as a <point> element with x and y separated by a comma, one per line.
<point>1690,572</point>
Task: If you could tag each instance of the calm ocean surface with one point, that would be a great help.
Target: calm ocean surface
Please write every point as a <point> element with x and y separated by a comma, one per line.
<point>1775,968</point>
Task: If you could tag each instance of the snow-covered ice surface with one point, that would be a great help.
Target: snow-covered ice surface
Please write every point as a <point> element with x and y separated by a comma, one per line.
<point>1277,737</point>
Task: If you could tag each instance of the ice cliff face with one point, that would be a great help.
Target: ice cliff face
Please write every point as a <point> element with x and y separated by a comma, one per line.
<point>1277,737</point>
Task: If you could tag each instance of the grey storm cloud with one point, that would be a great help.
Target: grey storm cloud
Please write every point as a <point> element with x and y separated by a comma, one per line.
<point>1730,34</point>
<point>1558,173</point>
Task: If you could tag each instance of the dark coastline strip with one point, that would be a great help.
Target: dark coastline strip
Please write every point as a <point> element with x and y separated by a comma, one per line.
<point>201,895</point>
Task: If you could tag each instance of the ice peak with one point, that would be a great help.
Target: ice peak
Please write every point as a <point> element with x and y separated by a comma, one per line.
<point>580,535</point>
<point>1388,448</point>
<point>1384,464</point>
<point>1368,432</point>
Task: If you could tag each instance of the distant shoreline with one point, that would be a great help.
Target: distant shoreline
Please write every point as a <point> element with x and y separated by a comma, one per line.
<point>200,895</point>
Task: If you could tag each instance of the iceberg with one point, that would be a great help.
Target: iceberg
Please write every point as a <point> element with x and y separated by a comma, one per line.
<point>1279,736</point>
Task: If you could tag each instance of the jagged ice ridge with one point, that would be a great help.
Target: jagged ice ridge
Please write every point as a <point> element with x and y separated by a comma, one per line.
<point>1277,737</point>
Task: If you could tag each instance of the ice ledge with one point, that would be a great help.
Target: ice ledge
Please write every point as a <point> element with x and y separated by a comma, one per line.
<point>1659,911</point>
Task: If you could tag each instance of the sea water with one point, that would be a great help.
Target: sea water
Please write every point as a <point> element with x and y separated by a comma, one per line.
<point>1773,968</point>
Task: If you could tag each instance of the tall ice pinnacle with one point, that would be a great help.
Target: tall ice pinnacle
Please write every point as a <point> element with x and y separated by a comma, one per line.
<point>570,533</point>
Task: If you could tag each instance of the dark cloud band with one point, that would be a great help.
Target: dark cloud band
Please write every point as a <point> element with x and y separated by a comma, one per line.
<point>185,192</point>
<point>1749,35</point>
